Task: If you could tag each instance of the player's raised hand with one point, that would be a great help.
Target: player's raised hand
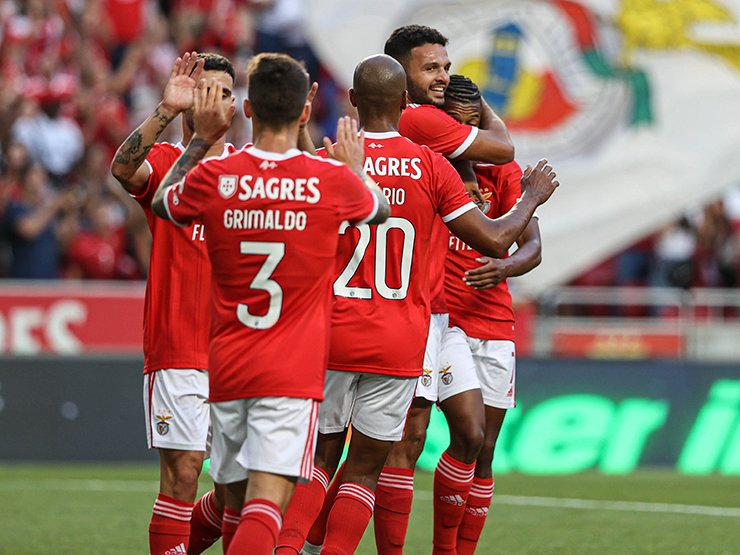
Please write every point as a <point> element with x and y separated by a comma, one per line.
<point>350,146</point>
<point>539,181</point>
<point>212,116</point>
<point>179,91</point>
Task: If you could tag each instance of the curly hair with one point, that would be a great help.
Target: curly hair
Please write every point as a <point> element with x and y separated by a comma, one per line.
<point>404,39</point>
<point>462,89</point>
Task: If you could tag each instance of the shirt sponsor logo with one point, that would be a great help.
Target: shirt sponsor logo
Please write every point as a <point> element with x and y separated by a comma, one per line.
<point>399,167</point>
<point>227,185</point>
<point>274,188</point>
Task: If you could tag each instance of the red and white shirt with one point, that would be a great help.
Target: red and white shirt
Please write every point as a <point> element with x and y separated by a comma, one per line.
<point>176,302</point>
<point>272,222</point>
<point>432,127</point>
<point>380,319</point>
<point>485,314</point>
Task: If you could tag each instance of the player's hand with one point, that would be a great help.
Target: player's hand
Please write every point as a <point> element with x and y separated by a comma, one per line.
<point>212,116</point>
<point>540,181</point>
<point>179,93</point>
<point>491,272</point>
<point>474,193</point>
<point>350,147</point>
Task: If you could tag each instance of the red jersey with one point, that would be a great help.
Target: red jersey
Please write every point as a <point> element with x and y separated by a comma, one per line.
<point>177,289</point>
<point>380,319</point>
<point>272,223</point>
<point>430,126</point>
<point>485,314</point>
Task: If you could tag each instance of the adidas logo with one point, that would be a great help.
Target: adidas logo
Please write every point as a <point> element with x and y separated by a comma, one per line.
<point>268,165</point>
<point>178,550</point>
<point>477,511</point>
<point>455,500</point>
<point>375,145</point>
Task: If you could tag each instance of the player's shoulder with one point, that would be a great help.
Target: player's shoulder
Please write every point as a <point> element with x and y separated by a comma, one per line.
<point>166,151</point>
<point>314,158</point>
<point>420,112</point>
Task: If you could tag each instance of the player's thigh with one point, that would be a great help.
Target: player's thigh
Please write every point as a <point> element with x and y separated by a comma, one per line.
<point>340,389</point>
<point>176,409</point>
<point>457,371</point>
<point>427,386</point>
<point>381,406</point>
<point>495,363</point>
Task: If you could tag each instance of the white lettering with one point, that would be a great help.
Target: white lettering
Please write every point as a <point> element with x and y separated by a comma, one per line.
<point>273,188</point>
<point>315,193</point>
<point>244,185</point>
<point>415,164</point>
<point>368,167</point>
<point>228,218</point>
<point>61,315</point>
<point>23,320</point>
<point>258,190</point>
<point>405,167</point>
<point>286,189</point>
<point>300,184</point>
<point>393,166</point>
<point>380,168</point>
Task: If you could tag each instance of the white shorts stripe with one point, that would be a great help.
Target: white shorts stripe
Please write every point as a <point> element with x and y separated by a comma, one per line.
<point>307,468</point>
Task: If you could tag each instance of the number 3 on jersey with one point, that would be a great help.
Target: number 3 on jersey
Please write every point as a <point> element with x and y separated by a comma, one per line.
<point>341,289</point>
<point>275,253</point>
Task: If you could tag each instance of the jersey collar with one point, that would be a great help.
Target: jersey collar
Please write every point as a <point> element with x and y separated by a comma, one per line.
<point>384,135</point>
<point>265,155</point>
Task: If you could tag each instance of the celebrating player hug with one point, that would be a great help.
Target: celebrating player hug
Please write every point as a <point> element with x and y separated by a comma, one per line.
<point>312,291</point>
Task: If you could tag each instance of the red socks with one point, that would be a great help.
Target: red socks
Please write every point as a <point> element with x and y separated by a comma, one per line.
<point>301,513</point>
<point>452,481</point>
<point>169,529</point>
<point>205,526</point>
<point>259,528</point>
<point>393,498</point>
<point>476,512</point>
<point>229,526</point>
<point>348,519</point>
<point>318,530</point>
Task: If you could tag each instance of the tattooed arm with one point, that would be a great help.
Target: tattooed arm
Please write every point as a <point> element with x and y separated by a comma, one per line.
<point>128,164</point>
<point>193,154</point>
<point>211,120</point>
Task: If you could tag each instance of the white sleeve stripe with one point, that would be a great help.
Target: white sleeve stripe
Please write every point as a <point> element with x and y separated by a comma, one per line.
<point>466,143</point>
<point>373,212</point>
<point>148,165</point>
<point>167,205</point>
<point>459,212</point>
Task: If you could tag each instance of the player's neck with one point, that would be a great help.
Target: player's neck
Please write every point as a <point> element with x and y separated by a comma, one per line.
<point>379,124</point>
<point>275,140</point>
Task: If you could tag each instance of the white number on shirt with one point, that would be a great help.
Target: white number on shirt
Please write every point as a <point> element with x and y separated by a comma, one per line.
<point>262,282</point>
<point>381,256</point>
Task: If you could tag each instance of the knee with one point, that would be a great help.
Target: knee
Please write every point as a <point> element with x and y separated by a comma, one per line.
<point>468,440</point>
<point>181,477</point>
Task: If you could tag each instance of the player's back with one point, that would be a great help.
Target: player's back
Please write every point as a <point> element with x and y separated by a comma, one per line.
<point>381,315</point>
<point>272,223</point>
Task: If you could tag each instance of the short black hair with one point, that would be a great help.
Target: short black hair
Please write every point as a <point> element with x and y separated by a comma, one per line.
<point>404,39</point>
<point>217,62</point>
<point>462,89</point>
<point>278,87</point>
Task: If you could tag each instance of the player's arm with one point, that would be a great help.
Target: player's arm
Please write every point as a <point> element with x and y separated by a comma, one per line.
<point>128,164</point>
<point>495,270</point>
<point>492,144</point>
<point>211,121</point>
<point>494,237</point>
<point>469,179</point>
<point>350,149</point>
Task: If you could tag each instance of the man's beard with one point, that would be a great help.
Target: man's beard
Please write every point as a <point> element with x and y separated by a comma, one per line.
<point>418,95</point>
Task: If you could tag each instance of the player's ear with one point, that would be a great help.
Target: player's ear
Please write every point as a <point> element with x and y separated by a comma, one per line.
<point>405,99</point>
<point>247,108</point>
<point>306,114</point>
<point>352,98</point>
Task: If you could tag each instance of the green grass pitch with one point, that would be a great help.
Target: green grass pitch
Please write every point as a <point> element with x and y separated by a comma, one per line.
<point>104,509</point>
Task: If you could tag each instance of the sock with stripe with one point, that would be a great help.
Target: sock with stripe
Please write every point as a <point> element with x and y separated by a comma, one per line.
<point>476,511</point>
<point>348,519</point>
<point>393,498</point>
<point>258,529</point>
<point>301,513</point>
<point>169,529</point>
<point>205,526</point>
<point>452,481</point>
<point>315,538</point>
<point>229,526</point>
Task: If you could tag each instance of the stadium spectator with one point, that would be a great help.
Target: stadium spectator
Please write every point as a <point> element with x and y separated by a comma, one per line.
<point>265,385</point>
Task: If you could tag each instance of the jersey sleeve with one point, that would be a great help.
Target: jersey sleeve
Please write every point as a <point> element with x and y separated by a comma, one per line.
<point>510,177</point>
<point>358,205</point>
<point>158,162</point>
<point>451,198</point>
<point>184,201</point>
<point>439,131</point>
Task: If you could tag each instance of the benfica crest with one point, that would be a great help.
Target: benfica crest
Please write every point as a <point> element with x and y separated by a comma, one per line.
<point>163,424</point>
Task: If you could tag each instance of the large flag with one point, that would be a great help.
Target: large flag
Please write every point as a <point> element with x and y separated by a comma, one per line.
<point>635,102</point>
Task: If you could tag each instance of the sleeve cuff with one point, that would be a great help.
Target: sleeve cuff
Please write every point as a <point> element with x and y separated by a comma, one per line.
<point>466,143</point>
<point>459,212</point>
<point>166,202</point>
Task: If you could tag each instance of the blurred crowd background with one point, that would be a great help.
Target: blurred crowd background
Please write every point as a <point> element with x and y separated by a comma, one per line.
<point>77,76</point>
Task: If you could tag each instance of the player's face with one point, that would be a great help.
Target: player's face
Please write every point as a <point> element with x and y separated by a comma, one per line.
<point>428,74</point>
<point>467,113</point>
<point>227,83</point>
